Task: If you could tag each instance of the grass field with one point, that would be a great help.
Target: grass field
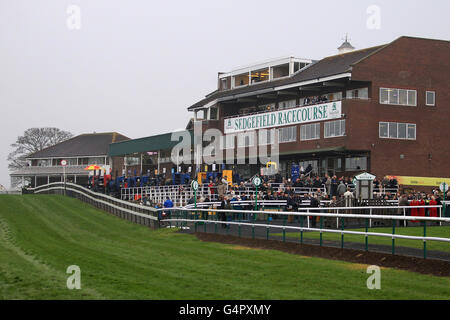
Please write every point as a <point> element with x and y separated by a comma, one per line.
<point>41,235</point>
<point>432,231</point>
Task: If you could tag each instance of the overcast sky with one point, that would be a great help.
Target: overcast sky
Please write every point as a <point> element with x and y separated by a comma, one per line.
<point>135,66</point>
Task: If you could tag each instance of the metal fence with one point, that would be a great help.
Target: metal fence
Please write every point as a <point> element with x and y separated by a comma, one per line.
<point>336,219</point>
<point>212,217</point>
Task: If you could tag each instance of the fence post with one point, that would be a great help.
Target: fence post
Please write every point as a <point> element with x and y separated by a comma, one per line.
<point>301,228</point>
<point>321,226</point>
<point>342,234</point>
<point>367,236</point>
<point>424,241</point>
<point>393,238</point>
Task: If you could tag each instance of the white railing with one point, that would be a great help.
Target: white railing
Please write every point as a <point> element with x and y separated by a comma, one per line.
<point>180,216</point>
<point>103,201</point>
<point>180,194</point>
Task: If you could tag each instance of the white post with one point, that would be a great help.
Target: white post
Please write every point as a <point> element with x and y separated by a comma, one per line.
<point>370,220</point>
<point>307,217</point>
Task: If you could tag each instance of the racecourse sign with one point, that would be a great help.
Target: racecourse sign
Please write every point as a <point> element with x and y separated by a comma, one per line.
<point>320,112</point>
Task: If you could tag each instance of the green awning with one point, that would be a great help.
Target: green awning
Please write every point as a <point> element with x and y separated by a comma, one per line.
<point>152,143</point>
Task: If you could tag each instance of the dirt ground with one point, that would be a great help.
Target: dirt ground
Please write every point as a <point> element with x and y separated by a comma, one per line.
<point>420,265</point>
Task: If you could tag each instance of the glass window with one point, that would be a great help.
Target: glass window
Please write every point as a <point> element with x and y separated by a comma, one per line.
<point>267,107</point>
<point>357,163</point>
<point>412,98</point>
<point>393,96</point>
<point>384,95</point>
<point>361,93</point>
<point>383,129</point>
<point>430,98</point>
<point>334,129</point>
<point>266,137</point>
<point>392,129</point>
<point>287,104</point>
<point>398,96</point>
<point>310,131</point>
<point>412,131</point>
<point>401,130</point>
<point>288,134</point>
<point>228,141</point>
<point>246,139</point>
<point>213,113</point>
<point>403,97</point>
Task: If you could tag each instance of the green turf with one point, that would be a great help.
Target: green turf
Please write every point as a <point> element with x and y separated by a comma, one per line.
<point>41,235</point>
<point>432,231</point>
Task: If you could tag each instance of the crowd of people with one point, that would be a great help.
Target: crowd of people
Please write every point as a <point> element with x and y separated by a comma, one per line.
<point>310,191</point>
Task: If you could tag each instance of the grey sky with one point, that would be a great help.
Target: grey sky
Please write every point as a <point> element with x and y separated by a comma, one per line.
<point>135,66</point>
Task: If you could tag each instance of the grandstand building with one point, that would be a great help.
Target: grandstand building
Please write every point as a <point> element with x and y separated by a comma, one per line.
<point>86,149</point>
<point>384,109</point>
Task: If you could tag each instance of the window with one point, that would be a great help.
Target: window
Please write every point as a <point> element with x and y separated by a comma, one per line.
<point>356,163</point>
<point>130,161</point>
<point>213,113</point>
<point>334,128</point>
<point>223,84</point>
<point>334,96</point>
<point>394,130</point>
<point>402,97</point>
<point>266,137</point>
<point>430,98</point>
<point>44,163</point>
<point>288,134</point>
<point>287,104</point>
<point>267,107</point>
<point>246,139</point>
<point>310,131</point>
<point>227,141</point>
<point>383,130</point>
<point>362,93</point>
<point>412,131</point>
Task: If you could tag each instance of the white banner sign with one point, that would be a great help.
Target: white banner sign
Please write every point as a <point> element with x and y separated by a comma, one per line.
<point>280,118</point>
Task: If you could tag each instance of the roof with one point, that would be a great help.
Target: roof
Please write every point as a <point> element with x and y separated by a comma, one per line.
<point>152,143</point>
<point>45,171</point>
<point>329,66</point>
<point>346,45</point>
<point>84,145</point>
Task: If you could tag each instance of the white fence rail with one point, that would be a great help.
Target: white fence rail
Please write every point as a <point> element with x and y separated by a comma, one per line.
<point>192,215</point>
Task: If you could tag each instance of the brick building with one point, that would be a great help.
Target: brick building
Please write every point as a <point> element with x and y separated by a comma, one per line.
<point>383,109</point>
<point>392,100</point>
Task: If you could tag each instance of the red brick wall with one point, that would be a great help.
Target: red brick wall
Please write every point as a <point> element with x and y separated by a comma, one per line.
<point>407,63</point>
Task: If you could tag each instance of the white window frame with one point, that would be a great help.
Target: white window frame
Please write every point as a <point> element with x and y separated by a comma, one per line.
<point>280,135</point>
<point>228,141</point>
<point>434,98</point>
<point>408,104</point>
<point>241,139</point>
<point>313,126</point>
<point>326,125</point>
<point>291,102</point>
<point>270,137</point>
<point>397,125</point>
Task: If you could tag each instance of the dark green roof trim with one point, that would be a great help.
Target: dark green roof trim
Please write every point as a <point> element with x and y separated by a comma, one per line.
<point>152,143</point>
<point>321,150</point>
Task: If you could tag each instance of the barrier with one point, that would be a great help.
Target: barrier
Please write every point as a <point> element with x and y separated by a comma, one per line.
<point>180,194</point>
<point>182,216</point>
<point>133,212</point>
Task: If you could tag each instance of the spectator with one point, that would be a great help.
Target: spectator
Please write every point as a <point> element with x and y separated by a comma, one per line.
<point>341,189</point>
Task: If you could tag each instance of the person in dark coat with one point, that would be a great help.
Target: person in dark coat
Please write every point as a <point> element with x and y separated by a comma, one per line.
<point>314,204</point>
